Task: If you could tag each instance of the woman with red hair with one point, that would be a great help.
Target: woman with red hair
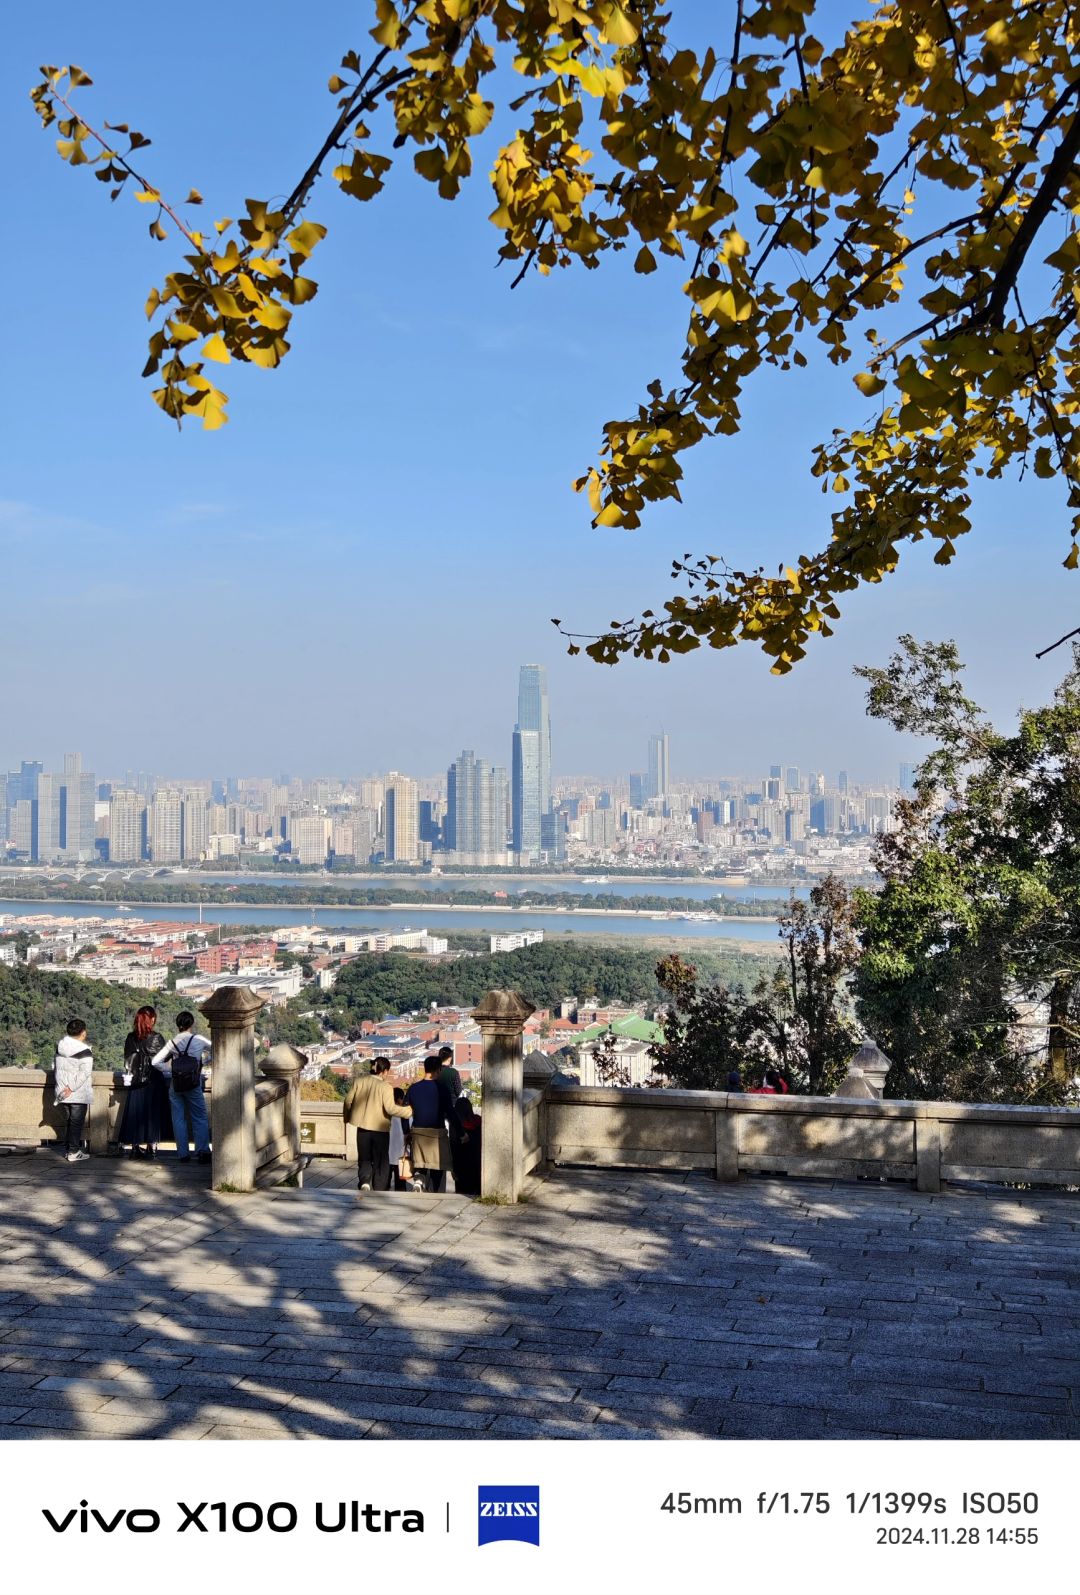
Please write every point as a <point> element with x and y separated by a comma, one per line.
<point>146,1119</point>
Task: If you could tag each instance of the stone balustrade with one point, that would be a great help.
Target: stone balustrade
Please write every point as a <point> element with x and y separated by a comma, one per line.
<point>261,1130</point>
<point>254,1120</point>
<point>730,1134</point>
<point>29,1118</point>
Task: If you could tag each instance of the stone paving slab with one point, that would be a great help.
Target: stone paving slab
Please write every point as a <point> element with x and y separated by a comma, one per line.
<point>140,1304</point>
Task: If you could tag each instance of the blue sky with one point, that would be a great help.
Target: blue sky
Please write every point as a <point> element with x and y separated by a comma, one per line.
<point>347,576</point>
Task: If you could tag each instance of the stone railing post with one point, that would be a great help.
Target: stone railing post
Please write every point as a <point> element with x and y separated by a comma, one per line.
<point>726,1128</point>
<point>285,1062</point>
<point>927,1147</point>
<point>501,1017</point>
<point>874,1066</point>
<point>231,1013</point>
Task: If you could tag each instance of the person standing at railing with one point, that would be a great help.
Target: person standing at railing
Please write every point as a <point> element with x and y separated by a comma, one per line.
<point>181,1062</point>
<point>73,1074</point>
<point>432,1109</point>
<point>370,1106</point>
<point>146,1119</point>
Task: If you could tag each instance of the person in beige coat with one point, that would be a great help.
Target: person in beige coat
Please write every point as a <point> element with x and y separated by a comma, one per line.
<point>370,1106</point>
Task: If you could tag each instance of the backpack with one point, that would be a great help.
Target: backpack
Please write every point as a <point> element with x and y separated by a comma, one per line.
<point>186,1071</point>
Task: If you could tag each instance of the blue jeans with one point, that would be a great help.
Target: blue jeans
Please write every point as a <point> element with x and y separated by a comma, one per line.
<point>189,1106</point>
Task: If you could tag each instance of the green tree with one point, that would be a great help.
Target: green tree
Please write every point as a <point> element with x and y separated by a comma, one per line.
<point>970,972</point>
<point>901,185</point>
<point>704,1028</point>
<point>292,1023</point>
<point>806,1010</point>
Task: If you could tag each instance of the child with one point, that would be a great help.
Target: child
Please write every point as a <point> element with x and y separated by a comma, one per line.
<point>73,1069</point>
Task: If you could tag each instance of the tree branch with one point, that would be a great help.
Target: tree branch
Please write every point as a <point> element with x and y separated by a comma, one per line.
<point>1043,652</point>
<point>1059,168</point>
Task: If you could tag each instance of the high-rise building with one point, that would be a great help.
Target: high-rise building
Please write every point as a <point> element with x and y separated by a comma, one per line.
<point>842,781</point>
<point>526,825</point>
<point>402,822</point>
<point>165,825</point>
<point>127,826</point>
<point>78,794</point>
<point>793,779</point>
<point>65,817</point>
<point>431,825</point>
<point>531,772</point>
<point>49,817</point>
<point>638,783</point>
<point>196,835</point>
<point>476,809</point>
<point>310,836</point>
<point>907,778</point>
<point>659,766</point>
<point>20,787</point>
<point>22,834</point>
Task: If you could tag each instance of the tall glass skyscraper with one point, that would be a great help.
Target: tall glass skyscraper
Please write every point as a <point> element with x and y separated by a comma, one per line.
<point>532,762</point>
<point>659,765</point>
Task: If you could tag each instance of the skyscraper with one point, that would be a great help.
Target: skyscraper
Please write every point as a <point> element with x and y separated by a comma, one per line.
<point>907,778</point>
<point>526,818</point>
<point>196,837</point>
<point>166,827</point>
<point>49,823</point>
<point>531,775</point>
<point>127,826</point>
<point>402,819</point>
<point>21,787</point>
<point>659,765</point>
<point>476,809</point>
<point>78,794</point>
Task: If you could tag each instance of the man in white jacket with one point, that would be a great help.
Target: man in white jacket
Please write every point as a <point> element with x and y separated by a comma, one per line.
<point>73,1072</point>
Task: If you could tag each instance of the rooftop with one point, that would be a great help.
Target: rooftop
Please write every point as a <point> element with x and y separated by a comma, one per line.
<point>135,1302</point>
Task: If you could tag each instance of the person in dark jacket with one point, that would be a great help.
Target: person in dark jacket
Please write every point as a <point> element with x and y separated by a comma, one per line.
<point>468,1149</point>
<point>147,1119</point>
<point>432,1108</point>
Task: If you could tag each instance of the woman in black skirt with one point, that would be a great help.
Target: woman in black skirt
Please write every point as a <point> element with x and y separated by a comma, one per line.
<point>146,1119</point>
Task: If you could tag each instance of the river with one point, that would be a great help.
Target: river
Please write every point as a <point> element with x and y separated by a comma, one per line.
<point>412,918</point>
<point>550,885</point>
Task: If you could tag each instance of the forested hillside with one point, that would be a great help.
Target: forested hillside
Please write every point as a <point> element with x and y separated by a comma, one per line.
<point>371,987</point>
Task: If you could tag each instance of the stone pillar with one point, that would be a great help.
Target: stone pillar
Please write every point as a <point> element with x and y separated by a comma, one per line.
<point>284,1062</point>
<point>727,1143</point>
<point>927,1148</point>
<point>231,1015</point>
<point>97,1119</point>
<point>874,1066</point>
<point>501,1017</point>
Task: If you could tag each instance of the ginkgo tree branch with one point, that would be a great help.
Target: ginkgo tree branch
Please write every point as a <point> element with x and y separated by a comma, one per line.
<point>624,134</point>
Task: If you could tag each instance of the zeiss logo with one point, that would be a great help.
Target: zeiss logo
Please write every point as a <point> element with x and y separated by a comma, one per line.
<point>509,1512</point>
